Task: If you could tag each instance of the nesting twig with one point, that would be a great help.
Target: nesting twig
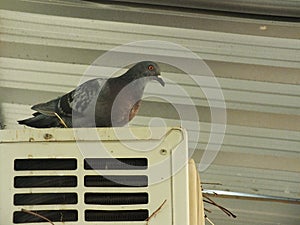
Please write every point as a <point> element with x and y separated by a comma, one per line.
<point>61,120</point>
<point>211,183</point>
<point>37,215</point>
<point>155,212</point>
<point>206,210</point>
<point>210,201</point>
<point>206,217</point>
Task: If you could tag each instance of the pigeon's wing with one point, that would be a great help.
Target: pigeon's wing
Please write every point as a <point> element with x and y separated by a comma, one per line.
<point>81,99</point>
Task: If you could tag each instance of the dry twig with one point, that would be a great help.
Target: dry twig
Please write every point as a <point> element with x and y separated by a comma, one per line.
<point>155,212</point>
<point>211,183</point>
<point>206,217</point>
<point>210,201</point>
<point>206,210</point>
<point>37,215</point>
<point>61,120</point>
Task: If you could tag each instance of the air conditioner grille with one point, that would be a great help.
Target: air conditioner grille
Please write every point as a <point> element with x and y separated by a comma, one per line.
<point>116,215</point>
<point>49,167</point>
<point>52,215</point>
<point>44,181</point>
<point>115,163</point>
<point>45,198</point>
<point>116,181</point>
<point>116,198</point>
<point>45,164</point>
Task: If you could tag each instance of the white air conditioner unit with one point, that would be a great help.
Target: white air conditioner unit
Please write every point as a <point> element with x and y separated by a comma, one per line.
<point>108,176</point>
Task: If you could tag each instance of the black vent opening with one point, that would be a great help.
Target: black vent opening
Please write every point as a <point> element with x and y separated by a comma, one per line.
<point>116,215</point>
<point>44,181</point>
<point>45,199</point>
<point>116,163</point>
<point>52,215</point>
<point>116,181</point>
<point>45,164</point>
<point>116,198</point>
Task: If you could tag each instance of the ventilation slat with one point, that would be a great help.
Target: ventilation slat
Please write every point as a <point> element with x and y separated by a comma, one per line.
<point>52,215</point>
<point>116,198</point>
<point>45,164</point>
<point>116,215</point>
<point>115,164</point>
<point>116,181</point>
<point>45,199</point>
<point>44,181</point>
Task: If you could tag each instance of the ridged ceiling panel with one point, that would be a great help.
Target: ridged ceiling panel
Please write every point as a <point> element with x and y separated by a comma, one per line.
<point>37,29</point>
<point>238,94</point>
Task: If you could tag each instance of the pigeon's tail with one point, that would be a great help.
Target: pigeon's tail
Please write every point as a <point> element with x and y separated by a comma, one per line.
<point>47,108</point>
<point>41,121</point>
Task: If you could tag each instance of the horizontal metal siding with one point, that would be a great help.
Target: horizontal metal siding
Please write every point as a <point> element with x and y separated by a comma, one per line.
<point>286,8</point>
<point>255,212</point>
<point>239,94</point>
<point>21,27</point>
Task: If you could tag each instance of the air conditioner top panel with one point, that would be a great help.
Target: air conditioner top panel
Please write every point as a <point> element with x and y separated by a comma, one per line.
<point>86,134</point>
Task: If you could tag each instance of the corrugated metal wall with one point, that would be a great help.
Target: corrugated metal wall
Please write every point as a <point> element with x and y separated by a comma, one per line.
<point>46,46</point>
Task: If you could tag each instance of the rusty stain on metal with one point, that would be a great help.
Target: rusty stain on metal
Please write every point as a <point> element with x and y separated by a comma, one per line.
<point>48,136</point>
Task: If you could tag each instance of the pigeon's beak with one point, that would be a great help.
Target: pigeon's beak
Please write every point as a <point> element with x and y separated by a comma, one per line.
<point>160,80</point>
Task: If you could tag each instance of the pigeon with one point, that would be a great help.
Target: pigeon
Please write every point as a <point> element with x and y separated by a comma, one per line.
<point>99,102</point>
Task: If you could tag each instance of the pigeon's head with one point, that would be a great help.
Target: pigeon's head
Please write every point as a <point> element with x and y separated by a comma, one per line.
<point>146,69</point>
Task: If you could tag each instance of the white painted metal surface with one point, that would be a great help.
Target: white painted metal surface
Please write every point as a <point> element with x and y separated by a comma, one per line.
<point>166,181</point>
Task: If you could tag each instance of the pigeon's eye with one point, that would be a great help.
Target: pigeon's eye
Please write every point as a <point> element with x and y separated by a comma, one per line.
<point>150,67</point>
